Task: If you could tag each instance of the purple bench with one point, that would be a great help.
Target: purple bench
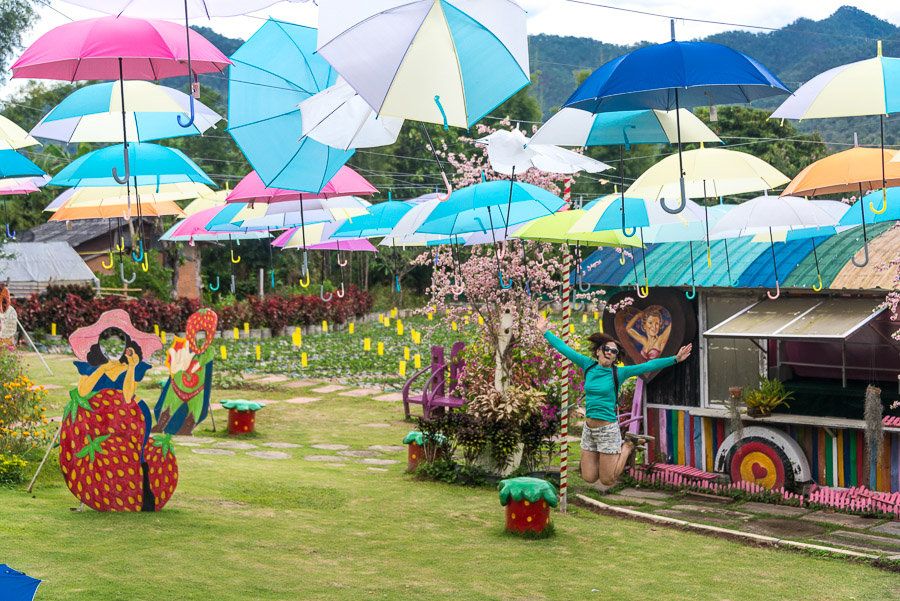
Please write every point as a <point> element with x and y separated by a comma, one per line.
<point>438,390</point>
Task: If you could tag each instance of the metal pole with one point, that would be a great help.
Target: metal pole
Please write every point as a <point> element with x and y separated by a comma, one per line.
<point>28,338</point>
<point>44,460</point>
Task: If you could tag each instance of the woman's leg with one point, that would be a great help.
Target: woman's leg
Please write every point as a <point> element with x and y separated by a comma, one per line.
<point>610,466</point>
<point>589,466</point>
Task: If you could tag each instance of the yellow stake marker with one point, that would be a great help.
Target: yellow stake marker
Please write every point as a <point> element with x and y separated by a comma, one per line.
<point>367,344</point>
<point>155,329</point>
<point>224,352</point>
<point>430,316</point>
<point>350,328</point>
<point>480,320</point>
<point>403,368</point>
<point>454,326</point>
<point>380,348</point>
<point>571,328</point>
<point>596,315</point>
<point>406,353</point>
<point>237,333</point>
<point>394,312</point>
<point>324,326</point>
<point>258,353</point>
<point>303,361</point>
<point>399,328</point>
<point>162,337</point>
<point>467,319</point>
<point>297,338</point>
<point>417,361</point>
<point>53,330</point>
<point>387,322</point>
<point>246,328</point>
<point>584,319</point>
<point>381,318</point>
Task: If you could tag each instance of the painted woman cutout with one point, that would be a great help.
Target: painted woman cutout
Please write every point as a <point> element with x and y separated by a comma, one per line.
<point>9,321</point>
<point>655,335</point>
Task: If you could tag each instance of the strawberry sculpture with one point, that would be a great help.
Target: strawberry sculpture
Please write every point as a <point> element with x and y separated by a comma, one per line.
<point>108,457</point>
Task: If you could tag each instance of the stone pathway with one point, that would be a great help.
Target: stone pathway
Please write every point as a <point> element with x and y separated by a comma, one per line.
<point>212,451</point>
<point>359,392</point>
<point>269,454</point>
<point>301,383</point>
<point>330,446</point>
<point>281,445</point>
<point>390,397</point>
<point>233,444</point>
<point>302,400</point>
<point>329,388</point>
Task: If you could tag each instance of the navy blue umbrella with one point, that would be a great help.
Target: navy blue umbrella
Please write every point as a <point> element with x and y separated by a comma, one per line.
<point>674,75</point>
<point>15,585</point>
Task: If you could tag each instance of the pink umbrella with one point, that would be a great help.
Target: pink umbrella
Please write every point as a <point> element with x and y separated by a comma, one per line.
<point>16,186</point>
<point>346,182</point>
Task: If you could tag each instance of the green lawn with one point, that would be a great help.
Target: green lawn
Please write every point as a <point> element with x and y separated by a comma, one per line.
<point>245,528</point>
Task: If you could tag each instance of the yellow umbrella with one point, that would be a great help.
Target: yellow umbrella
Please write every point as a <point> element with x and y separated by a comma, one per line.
<point>116,195</point>
<point>13,137</point>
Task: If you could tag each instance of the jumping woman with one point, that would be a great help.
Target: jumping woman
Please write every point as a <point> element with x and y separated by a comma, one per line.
<point>603,453</point>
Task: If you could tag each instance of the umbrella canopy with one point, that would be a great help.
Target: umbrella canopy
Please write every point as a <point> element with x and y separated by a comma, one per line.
<point>404,234</point>
<point>275,70</point>
<point>205,236</point>
<point>576,127</point>
<point>488,206</point>
<point>175,9</point>
<point>557,228</point>
<point>851,171</point>
<point>98,196</point>
<point>853,215</point>
<point>114,209</point>
<point>117,47</point>
<point>94,114</point>
<point>16,585</point>
<point>510,152</point>
<point>607,214</point>
<point>346,182</point>
<point>197,224</point>
<point>339,117</point>
<point>440,61</point>
<point>318,237</point>
<point>12,136</point>
<point>766,214</point>
<point>380,221</point>
<point>150,165</point>
<point>22,185</point>
<point>708,173</point>
<point>13,164</point>
<point>291,214</point>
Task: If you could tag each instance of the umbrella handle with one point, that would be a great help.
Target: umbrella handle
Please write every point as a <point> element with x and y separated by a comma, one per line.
<point>103,263</point>
<point>272,279</point>
<point>322,294</point>
<point>233,260</point>
<point>676,210</point>
<point>397,282</point>
<point>126,215</point>
<point>508,282</point>
<point>140,258</point>
<point>576,305</point>
<point>217,284</point>
<point>10,234</point>
<point>643,291</point>
<point>692,293</point>
<point>622,257</point>
<point>305,285</point>
<point>777,291</point>
<point>145,265</point>
<point>501,250</point>
<point>883,204</point>
<point>233,287</point>
<point>819,284</point>
<point>734,283</point>
<point>115,172</point>
<point>437,101</point>
<point>579,279</point>
<point>866,260</point>
<point>449,188</point>
<point>122,274</point>
<point>120,245</point>
<point>708,257</point>
<point>626,234</point>
<point>191,120</point>
<point>304,269</point>
<point>341,263</point>
<point>457,289</point>
<point>341,293</point>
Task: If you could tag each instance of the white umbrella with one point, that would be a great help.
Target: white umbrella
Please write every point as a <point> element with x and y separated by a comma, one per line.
<point>511,151</point>
<point>339,117</point>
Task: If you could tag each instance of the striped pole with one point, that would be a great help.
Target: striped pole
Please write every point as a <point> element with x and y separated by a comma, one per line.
<point>564,417</point>
<point>567,191</point>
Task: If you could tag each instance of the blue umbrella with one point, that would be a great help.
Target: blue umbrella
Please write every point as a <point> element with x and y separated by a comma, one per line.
<point>13,164</point>
<point>274,71</point>
<point>380,221</point>
<point>674,75</point>
<point>15,585</point>
<point>891,213</point>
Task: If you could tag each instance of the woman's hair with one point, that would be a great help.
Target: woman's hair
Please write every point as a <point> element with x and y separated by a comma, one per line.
<point>96,358</point>
<point>598,339</point>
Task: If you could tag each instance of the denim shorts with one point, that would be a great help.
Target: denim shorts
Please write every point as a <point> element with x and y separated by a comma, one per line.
<point>605,439</point>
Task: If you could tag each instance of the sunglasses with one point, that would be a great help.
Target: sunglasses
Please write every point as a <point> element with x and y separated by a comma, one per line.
<point>610,349</point>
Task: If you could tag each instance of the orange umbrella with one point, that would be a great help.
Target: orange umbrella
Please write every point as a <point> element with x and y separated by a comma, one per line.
<point>106,211</point>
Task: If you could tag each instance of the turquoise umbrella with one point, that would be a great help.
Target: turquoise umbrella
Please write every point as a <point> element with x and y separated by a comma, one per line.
<point>13,164</point>
<point>273,72</point>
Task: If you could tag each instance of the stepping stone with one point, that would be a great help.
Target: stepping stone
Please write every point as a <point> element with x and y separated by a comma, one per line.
<point>707,500</point>
<point>281,445</point>
<point>644,493</point>
<point>248,376</point>
<point>189,444</point>
<point>360,453</point>
<point>269,454</point>
<point>783,528</point>
<point>627,499</point>
<point>372,461</point>
<point>330,446</point>
<point>573,439</point>
<point>388,448</point>
<point>377,469</point>
<point>892,528</point>
<point>716,511</point>
<point>233,444</point>
<point>840,519</point>
<point>391,397</point>
<point>359,392</point>
<point>767,508</point>
<point>858,540</point>
<point>324,458</point>
<point>214,406</point>
<point>300,383</point>
<point>302,400</point>
<point>693,517</point>
<point>184,439</point>
<point>374,425</point>
<point>212,451</point>
<point>272,379</point>
<point>337,464</point>
<point>329,388</point>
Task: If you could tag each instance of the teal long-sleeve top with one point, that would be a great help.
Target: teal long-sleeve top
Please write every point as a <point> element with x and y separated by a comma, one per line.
<point>599,386</point>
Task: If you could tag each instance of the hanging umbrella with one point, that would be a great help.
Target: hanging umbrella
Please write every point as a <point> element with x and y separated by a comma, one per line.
<point>273,71</point>
<point>111,209</point>
<point>853,217</point>
<point>852,171</point>
<point>17,185</point>
<point>16,585</point>
<point>403,233</point>
<point>576,127</point>
<point>93,114</point>
<point>339,117</point>
<point>96,196</point>
<point>674,75</point>
<point>284,215</point>
<point>13,137</point>
<point>346,182</point>
<point>380,221</point>
<point>510,151</point>
<point>13,164</point>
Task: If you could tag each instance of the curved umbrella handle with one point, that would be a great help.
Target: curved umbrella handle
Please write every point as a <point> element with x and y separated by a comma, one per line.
<point>115,172</point>
<point>501,250</point>
<point>622,258</point>
<point>10,234</point>
<point>341,263</point>
<point>692,293</point>
<point>437,101</point>
<point>676,210</point>
<point>233,260</point>
<point>582,287</point>
<point>643,291</point>
<point>397,282</point>
<point>217,284</point>
<point>111,263</point>
<point>576,304</point>
<point>141,257</point>
<point>233,287</point>
<point>866,260</point>
<point>883,203</point>
<point>734,282</point>
<point>305,284</point>
<point>626,234</point>
<point>457,289</point>
<point>272,278</point>
<point>819,284</point>
<point>122,274</point>
<point>322,294</point>
<point>120,245</point>
<point>449,188</point>
<point>190,121</point>
<point>126,215</point>
<point>145,265</point>
<point>508,282</point>
<point>777,291</point>
<point>341,293</point>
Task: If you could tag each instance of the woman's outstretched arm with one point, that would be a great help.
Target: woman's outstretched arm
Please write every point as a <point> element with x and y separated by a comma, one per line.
<point>569,353</point>
<point>628,371</point>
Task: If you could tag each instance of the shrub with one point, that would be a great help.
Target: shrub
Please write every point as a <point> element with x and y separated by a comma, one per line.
<point>22,418</point>
<point>12,470</point>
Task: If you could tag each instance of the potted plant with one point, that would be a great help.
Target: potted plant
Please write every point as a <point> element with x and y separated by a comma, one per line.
<point>762,400</point>
<point>504,415</point>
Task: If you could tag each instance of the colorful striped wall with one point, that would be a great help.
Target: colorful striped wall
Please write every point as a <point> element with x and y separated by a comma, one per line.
<point>836,457</point>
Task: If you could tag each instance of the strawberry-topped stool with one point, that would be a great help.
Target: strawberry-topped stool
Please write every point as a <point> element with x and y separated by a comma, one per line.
<point>528,502</point>
<point>241,415</point>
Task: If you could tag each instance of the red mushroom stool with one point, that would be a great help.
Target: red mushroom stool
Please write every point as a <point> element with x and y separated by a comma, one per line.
<point>528,502</point>
<point>241,415</point>
<point>415,453</point>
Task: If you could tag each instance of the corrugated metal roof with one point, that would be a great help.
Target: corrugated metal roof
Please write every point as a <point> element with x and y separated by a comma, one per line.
<point>30,262</point>
<point>761,273</point>
<point>882,249</point>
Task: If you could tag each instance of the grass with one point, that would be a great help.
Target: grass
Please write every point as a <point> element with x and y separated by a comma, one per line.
<point>244,528</point>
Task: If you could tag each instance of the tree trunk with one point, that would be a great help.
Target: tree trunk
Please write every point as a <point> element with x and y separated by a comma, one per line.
<point>501,370</point>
